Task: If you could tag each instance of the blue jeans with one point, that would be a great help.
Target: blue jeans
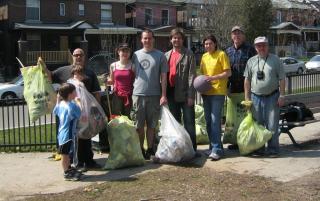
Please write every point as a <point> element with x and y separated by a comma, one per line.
<point>266,111</point>
<point>188,117</point>
<point>213,105</point>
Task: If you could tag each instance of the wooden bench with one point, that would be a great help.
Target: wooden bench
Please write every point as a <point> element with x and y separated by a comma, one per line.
<point>311,100</point>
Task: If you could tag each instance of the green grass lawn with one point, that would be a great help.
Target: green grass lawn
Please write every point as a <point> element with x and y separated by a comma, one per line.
<point>34,138</point>
<point>306,90</point>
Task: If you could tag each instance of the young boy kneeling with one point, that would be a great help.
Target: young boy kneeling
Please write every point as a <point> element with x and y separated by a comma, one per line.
<point>69,113</point>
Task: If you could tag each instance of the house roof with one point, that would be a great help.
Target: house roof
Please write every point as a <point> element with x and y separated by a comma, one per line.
<point>290,27</point>
<point>163,2</point>
<point>286,28</point>
<point>54,26</point>
<point>165,30</point>
<point>101,29</point>
<point>286,25</point>
<point>191,1</point>
<point>289,4</point>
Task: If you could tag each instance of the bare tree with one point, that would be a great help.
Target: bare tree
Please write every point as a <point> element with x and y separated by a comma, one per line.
<point>217,17</point>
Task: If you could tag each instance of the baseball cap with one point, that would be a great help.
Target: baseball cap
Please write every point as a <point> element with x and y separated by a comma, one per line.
<point>235,28</point>
<point>260,39</point>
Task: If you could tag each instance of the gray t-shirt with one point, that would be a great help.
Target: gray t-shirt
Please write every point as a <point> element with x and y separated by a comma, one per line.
<point>148,68</point>
<point>273,73</point>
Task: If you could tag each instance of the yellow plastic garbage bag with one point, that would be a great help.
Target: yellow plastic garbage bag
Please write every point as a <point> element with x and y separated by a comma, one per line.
<point>201,130</point>
<point>124,142</point>
<point>251,136</point>
<point>38,91</point>
<point>235,113</point>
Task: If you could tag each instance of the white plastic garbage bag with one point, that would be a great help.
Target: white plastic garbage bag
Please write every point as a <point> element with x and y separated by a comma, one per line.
<point>175,144</point>
<point>93,119</point>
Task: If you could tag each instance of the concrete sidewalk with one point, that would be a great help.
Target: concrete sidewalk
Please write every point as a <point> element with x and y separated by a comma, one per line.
<point>26,174</point>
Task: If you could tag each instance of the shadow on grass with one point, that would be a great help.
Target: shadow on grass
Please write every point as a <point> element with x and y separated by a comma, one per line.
<point>123,174</point>
<point>129,174</point>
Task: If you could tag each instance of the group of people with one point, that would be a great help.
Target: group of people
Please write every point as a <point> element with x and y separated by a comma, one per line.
<point>148,79</point>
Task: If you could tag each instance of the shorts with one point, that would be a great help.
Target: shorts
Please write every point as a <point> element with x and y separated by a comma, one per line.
<point>65,148</point>
<point>118,107</point>
<point>145,109</point>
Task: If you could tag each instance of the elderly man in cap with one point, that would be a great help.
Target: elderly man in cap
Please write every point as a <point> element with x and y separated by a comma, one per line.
<point>239,53</point>
<point>264,85</point>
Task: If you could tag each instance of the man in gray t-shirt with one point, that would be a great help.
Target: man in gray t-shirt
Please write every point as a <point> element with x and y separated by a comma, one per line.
<point>149,89</point>
<point>264,85</point>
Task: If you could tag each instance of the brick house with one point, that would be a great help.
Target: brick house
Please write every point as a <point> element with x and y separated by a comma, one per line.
<point>296,28</point>
<point>51,28</point>
<point>159,16</point>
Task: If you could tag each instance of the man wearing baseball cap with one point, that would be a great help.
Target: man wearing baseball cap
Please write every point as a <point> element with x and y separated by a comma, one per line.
<point>239,53</point>
<point>264,85</point>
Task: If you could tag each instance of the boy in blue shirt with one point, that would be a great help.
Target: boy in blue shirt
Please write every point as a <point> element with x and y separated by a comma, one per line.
<point>69,113</point>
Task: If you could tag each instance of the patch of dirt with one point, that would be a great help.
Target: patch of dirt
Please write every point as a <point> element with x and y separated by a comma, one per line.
<point>190,183</point>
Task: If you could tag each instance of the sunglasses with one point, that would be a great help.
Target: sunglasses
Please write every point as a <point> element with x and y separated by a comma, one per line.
<point>77,55</point>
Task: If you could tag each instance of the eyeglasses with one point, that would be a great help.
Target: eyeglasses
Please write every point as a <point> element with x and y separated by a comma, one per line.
<point>77,55</point>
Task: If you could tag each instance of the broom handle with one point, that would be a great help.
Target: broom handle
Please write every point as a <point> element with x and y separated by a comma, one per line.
<point>21,64</point>
<point>108,100</point>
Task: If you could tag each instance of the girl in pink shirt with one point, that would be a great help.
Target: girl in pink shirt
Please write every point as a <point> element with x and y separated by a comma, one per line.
<point>122,77</point>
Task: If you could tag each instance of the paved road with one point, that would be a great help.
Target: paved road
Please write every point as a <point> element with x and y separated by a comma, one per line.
<point>17,116</point>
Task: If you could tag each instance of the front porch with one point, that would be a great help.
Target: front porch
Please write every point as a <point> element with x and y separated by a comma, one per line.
<point>49,57</point>
<point>289,39</point>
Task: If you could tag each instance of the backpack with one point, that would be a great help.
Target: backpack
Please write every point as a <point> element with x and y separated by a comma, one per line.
<point>297,111</point>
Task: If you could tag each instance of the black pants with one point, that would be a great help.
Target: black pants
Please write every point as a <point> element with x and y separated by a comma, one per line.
<point>85,154</point>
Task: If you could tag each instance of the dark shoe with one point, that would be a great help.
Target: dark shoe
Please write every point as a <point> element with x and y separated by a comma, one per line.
<point>257,154</point>
<point>72,175</point>
<point>214,157</point>
<point>81,168</point>
<point>155,159</point>
<point>207,152</point>
<point>197,155</point>
<point>149,153</point>
<point>233,147</point>
<point>93,166</point>
<point>143,153</point>
<point>104,150</point>
<point>273,155</point>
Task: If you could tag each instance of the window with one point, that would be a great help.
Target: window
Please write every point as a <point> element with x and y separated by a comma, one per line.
<point>81,9</point>
<point>311,36</point>
<point>62,9</point>
<point>33,10</point>
<point>165,17</point>
<point>279,17</point>
<point>106,13</point>
<point>148,16</point>
<point>194,20</point>
<point>34,41</point>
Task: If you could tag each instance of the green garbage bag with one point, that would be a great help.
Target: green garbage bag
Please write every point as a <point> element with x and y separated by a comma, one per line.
<point>38,91</point>
<point>201,130</point>
<point>236,112</point>
<point>251,136</point>
<point>124,143</point>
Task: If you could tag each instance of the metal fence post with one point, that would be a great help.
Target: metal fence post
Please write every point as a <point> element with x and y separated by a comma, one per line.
<point>289,85</point>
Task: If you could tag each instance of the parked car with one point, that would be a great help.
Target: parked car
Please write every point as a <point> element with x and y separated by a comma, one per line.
<point>292,65</point>
<point>14,89</point>
<point>313,64</point>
